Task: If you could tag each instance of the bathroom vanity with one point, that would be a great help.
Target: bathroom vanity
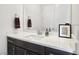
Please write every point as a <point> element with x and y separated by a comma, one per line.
<point>25,43</point>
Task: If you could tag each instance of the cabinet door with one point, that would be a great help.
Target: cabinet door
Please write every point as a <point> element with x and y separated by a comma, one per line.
<point>11,49</point>
<point>20,51</point>
<point>36,49</point>
<point>52,51</point>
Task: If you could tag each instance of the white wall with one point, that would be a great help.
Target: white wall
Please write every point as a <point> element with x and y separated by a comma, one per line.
<point>75,23</point>
<point>6,23</point>
<point>75,19</point>
<point>62,14</point>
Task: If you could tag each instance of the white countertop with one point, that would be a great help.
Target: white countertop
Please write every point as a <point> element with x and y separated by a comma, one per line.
<point>52,41</point>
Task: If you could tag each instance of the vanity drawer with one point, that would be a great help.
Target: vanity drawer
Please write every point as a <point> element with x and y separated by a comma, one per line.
<point>11,40</point>
<point>19,43</point>
<point>15,41</point>
<point>34,47</point>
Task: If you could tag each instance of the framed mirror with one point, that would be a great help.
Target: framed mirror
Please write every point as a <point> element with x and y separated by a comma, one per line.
<point>46,15</point>
<point>65,30</point>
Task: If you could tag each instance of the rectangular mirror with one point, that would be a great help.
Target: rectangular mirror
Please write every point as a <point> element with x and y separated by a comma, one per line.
<point>46,15</point>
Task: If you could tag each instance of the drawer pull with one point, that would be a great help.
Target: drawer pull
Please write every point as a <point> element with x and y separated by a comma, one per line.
<point>10,41</point>
<point>13,51</point>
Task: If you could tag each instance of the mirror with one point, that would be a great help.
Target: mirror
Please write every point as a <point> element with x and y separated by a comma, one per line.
<point>46,15</point>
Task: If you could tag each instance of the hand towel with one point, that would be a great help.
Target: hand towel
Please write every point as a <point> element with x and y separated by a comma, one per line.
<point>17,22</point>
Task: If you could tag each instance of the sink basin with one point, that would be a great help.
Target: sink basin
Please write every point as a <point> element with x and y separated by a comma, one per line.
<point>34,36</point>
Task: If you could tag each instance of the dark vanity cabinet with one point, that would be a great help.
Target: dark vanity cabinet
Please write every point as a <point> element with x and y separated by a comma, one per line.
<point>19,47</point>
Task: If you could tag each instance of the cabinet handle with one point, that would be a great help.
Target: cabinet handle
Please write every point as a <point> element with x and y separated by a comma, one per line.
<point>13,50</point>
<point>25,52</point>
<point>10,41</point>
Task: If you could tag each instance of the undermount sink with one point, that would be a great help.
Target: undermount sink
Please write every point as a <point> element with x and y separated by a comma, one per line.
<point>34,36</point>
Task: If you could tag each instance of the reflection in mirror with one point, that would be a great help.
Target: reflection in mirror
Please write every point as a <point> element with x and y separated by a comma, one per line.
<point>34,11</point>
<point>46,16</point>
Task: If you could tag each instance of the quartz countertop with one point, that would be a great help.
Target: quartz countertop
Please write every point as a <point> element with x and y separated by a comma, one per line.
<point>52,41</point>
